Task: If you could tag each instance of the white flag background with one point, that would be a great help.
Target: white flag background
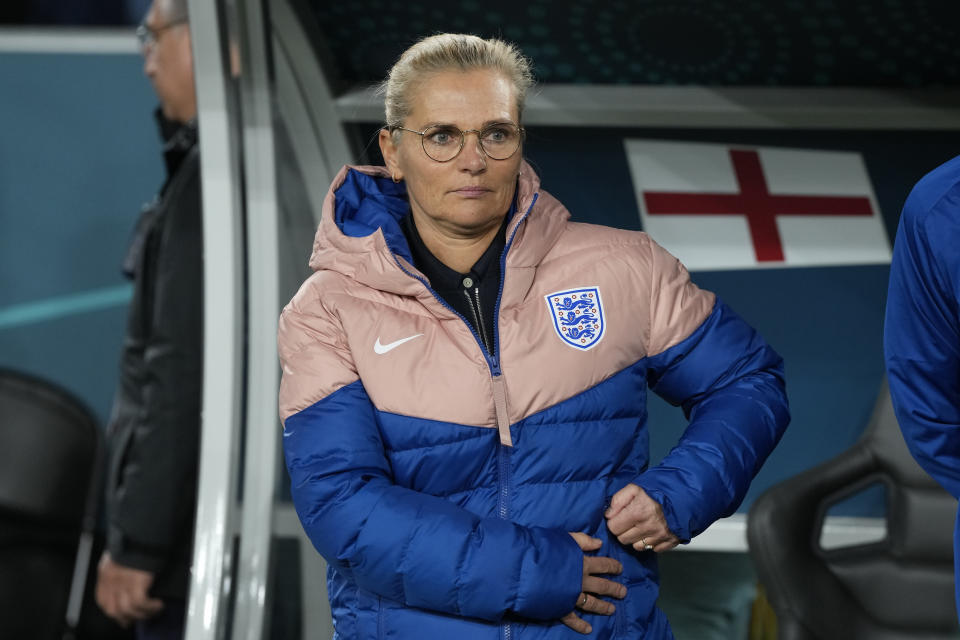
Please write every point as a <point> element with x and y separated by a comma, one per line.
<point>718,206</point>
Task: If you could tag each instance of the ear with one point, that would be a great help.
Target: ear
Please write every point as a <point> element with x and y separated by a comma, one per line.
<point>390,153</point>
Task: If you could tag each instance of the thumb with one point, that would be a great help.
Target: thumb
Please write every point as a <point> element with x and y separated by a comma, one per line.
<point>585,542</point>
<point>621,499</point>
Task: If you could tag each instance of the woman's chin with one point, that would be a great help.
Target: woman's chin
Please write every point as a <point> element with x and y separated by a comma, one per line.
<point>476,222</point>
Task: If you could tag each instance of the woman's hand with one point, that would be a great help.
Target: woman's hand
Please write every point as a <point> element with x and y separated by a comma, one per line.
<point>637,519</point>
<point>593,586</point>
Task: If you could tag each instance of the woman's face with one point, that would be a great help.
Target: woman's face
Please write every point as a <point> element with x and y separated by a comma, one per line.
<point>467,196</point>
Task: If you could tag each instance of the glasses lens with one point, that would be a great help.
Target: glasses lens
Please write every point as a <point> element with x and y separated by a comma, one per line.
<point>500,141</point>
<point>143,35</point>
<point>442,143</point>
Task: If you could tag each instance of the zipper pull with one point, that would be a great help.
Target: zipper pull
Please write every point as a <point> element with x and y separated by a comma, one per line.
<point>503,416</point>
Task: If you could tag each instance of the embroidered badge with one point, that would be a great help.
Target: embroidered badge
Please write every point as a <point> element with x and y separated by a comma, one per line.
<point>577,316</point>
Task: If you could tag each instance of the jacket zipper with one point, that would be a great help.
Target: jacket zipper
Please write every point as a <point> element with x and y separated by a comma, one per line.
<point>499,386</point>
<point>477,312</point>
<point>503,455</point>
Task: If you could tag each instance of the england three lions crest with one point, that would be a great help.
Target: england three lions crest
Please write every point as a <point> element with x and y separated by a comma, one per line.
<point>577,316</point>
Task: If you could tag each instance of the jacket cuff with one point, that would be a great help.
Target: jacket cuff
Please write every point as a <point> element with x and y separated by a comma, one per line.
<point>551,576</point>
<point>680,524</point>
<point>125,552</point>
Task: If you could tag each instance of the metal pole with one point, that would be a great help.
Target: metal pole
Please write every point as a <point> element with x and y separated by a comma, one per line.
<point>210,587</point>
<point>263,309</point>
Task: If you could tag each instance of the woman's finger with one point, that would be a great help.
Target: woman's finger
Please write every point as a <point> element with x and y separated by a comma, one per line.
<point>599,565</point>
<point>594,604</point>
<point>603,587</point>
<point>576,623</point>
<point>667,545</point>
<point>641,531</point>
<point>585,542</point>
<point>659,547</point>
<point>621,499</point>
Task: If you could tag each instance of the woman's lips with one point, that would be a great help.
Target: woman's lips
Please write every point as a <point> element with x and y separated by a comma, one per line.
<point>472,192</point>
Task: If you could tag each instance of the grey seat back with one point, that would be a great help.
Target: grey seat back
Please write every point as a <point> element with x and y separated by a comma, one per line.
<point>900,588</point>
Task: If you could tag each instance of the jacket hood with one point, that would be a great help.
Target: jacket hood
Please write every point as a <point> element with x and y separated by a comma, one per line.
<point>361,237</point>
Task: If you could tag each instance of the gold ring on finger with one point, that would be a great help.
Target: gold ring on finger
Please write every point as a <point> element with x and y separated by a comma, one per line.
<point>583,602</point>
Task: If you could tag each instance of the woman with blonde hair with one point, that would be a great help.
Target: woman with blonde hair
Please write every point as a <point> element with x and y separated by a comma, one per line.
<point>465,376</point>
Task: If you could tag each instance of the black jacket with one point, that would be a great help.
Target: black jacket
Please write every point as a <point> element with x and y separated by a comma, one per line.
<point>154,432</point>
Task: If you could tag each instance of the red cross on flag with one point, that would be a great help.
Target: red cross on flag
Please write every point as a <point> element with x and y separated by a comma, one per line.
<point>717,206</point>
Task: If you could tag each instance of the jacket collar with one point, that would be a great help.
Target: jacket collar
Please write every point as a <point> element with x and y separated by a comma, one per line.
<point>178,139</point>
<point>360,234</point>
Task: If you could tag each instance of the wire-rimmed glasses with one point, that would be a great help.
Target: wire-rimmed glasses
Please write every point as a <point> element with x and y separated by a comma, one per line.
<point>147,36</point>
<point>444,142</point>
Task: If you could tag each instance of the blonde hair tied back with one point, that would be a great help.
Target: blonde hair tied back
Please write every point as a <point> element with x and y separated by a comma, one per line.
<point>451,51</point>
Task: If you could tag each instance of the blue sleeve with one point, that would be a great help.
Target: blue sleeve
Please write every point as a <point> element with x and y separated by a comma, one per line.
<point>921,334</point>
<point>410,547</point>
<point>730,384</point>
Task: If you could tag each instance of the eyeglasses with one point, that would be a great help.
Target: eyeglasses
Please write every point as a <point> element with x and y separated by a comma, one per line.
<point>148,36</point>
<point>444,142</point>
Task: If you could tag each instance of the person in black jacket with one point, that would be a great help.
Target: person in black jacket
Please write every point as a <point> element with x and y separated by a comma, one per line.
<point>154,433</point>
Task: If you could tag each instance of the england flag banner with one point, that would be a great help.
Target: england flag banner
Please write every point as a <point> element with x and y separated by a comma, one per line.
<point>718,206</point>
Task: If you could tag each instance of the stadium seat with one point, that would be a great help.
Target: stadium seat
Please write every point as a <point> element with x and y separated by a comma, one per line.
<point>50,456</point>
<point>898,588</point>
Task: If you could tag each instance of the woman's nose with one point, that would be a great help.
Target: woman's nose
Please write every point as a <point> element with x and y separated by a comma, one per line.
<point>472,156</point>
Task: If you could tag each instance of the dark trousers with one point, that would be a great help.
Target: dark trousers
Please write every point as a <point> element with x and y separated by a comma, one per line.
<point>169,624</point>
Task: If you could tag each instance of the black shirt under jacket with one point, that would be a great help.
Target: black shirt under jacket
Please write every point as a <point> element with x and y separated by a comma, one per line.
<point>474,294</point>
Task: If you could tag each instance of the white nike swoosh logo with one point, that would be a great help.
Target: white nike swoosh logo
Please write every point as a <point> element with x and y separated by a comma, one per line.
<point>383,348</point>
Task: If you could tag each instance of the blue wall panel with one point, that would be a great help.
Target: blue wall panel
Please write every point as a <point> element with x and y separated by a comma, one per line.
<point>79,156</point>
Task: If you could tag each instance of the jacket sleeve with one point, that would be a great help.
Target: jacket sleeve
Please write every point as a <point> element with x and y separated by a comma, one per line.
<point>922,337</point>
<point>153,505</point>
<point>730,384</point>
<point>421,550</point>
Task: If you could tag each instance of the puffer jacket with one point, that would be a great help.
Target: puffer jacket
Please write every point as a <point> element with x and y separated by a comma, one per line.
<point>922,330</point>
<point>440,482</point>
